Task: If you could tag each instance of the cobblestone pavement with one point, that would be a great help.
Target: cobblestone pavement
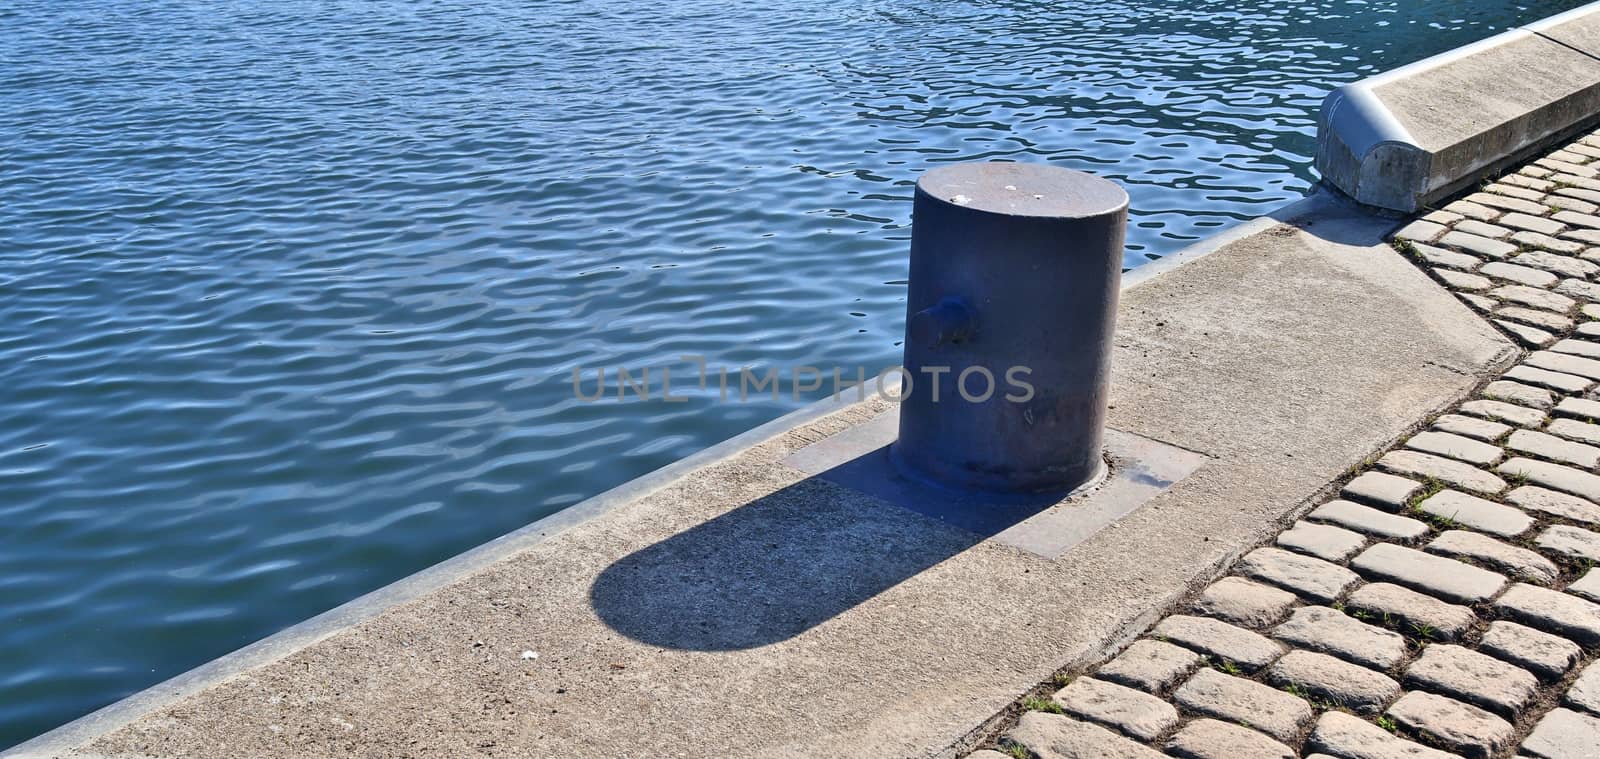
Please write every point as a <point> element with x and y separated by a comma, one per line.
<point>1444,603</point>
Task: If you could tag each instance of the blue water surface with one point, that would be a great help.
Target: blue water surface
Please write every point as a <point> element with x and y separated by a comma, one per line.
<point>290,292</point>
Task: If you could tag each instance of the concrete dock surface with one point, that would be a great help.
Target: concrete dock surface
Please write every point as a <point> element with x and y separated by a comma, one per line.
<point>742,608</point>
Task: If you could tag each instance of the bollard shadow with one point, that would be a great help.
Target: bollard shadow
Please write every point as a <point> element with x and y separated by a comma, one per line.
<point>777,566</point>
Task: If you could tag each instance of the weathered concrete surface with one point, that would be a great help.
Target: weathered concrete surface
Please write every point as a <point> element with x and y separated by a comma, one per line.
<point>1406,138</point>
<point>743,610</point>
<point>1578,28</point>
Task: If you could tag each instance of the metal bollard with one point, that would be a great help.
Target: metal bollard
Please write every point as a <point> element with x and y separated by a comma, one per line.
<point>1014,276</point>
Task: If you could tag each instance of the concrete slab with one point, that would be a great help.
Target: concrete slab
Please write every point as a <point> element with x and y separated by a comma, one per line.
<point>1420,133</point>
<point>1045,524</point>
<point>735,606</point>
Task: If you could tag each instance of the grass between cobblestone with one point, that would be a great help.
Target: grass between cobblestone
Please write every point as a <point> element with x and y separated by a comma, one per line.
<point>1524,252</point>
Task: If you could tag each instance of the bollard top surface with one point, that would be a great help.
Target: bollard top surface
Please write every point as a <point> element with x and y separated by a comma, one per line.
<point>1024,189</point>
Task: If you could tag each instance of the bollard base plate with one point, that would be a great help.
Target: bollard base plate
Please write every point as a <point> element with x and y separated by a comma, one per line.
<point>1045,524</point>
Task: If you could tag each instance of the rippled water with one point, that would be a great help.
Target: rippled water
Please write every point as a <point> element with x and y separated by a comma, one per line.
<point>289,292</point>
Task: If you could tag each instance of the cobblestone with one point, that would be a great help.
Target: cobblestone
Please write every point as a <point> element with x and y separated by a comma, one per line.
<point>1564,169</point>
<point>1420,231</point>
<point>1448,218</point>
<point>1557,381</point>
<point>1563,734</point>
<point>1481,429</point>
<point>1581,148</point>
<point>1554,612</point>
<point>1520,562</point>
<point>1537,318</point>
<point>1210,739</point>
<point>1522,275</point>
<point>1548,446</point>
<point>1342,735</point>
<point>1445,470</point>
<point>1462,728</point>
<point>1516,392</point>
<point>1472,210</point>
<point>1505,412</point>
<point>1368,520</point>
<point>1532,296</point>
<point>1444,578</point>
<point>1387,489</point>
<point>1241,602</point>
<point>1442,257</point>
<point>1585,692</point>
<point>1578,348</point>
<point>1341,683</point>
<point>1055,736</point>
<point>1473,678</point>
<point>1577,219</point>
<point>1505,188</point>
<point>1304,575</point>
<point>1587,587</point>
<point>1232,699</point>
<point>1568,157</point>
<point>1572,542</point>
<point>1554,244</point>
<point>1330,631</point>
<point>1554,476</point>
<point>1477,513</point>
<point>1221,640</point>
<point>1138,714</point>
<point>1520,181</point>
<point>1586,181</point>
<point>1532,224</point>
<point>1580,289</point>
<point>1568,192</point>
<point>1565,362</point>
<point>1553,503</point>
<point>1547,656</point>
<point>1455,447</point>
<point>1508,204</point>
<point>1416,611</point>
<point>1150,665</point>
<point>1581,408</point>
<point>1481,229</point>
<point>1481,246</point>
<point>1573,429</point>
<point>1461,280</point>
<point>1532,337</point>
<point>1323,541</point>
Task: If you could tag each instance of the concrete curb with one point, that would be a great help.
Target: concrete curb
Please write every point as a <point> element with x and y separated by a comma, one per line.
<point>1407,138</point>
